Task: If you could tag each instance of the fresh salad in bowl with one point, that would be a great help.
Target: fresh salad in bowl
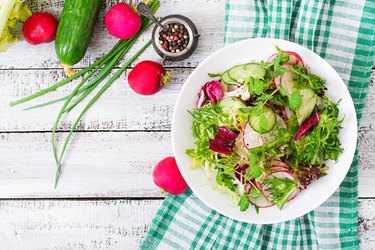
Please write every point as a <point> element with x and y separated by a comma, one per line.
<point>264,130</point>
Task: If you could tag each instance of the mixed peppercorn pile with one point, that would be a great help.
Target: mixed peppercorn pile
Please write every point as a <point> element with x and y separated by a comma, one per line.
<point>175,37</point>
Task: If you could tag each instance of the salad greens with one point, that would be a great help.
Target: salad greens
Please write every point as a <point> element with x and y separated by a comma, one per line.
<point>268,136</point>
<point>11,11</point>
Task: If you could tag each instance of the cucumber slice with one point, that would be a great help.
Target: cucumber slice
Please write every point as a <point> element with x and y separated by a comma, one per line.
<point>227,80</point>
<point>263,121</point>
<point>241,73</point>
<point>309,100</point>
<point>230,105</point>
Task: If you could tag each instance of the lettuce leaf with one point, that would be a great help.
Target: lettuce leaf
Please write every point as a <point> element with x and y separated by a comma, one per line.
<point>11,11</point>
<point>322,143</point>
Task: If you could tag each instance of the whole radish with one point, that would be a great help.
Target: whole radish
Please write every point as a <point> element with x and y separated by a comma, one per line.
<point>167,176</point>
<point>148,77</point>
<point>40,28</point>
<point>122,21</point>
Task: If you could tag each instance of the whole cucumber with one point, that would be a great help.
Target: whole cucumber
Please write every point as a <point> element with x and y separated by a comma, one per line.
<point>76,24</point>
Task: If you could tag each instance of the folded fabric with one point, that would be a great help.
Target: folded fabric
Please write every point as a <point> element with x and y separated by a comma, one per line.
<point>343,33</point>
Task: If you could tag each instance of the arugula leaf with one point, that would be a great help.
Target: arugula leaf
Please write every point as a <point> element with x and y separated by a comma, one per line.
<point>244,203</point>
<point>280,189</point>
<point>295,100</point>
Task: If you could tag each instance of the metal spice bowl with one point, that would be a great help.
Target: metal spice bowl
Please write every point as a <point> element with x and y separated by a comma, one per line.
<point>193,38</point>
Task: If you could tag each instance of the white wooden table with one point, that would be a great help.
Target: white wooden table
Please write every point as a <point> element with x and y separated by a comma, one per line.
<point>106,197</point>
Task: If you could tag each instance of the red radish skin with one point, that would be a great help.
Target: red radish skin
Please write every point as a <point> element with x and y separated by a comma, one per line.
<point>261,201</point>
<point>122,21</point>
<point>280,174</point>
<point>148,77</point>
<point>294,58</point>
<point>40,28</point>
<point>167,176</point>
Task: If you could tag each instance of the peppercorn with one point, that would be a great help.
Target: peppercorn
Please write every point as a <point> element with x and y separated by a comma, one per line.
<point>175,38</point>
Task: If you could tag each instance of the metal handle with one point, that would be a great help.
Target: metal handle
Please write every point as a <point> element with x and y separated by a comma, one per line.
<point>143,9</point>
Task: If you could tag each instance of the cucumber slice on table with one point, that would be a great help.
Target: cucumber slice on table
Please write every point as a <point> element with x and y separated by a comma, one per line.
<point>241,73</point>
<point>230,105</point>
<point>264,121</point>
<point>227,80</point>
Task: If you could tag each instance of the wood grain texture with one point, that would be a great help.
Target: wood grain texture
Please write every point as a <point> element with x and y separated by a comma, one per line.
<point>111,224</point>
<point>118,109</point>
<point>209,19</point>
<point>97,164</point>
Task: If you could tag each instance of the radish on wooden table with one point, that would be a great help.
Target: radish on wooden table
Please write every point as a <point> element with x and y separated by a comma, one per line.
<point>167,176</point>
<point>122,21</point>
<point>40,28</point>
<point>148,77</point>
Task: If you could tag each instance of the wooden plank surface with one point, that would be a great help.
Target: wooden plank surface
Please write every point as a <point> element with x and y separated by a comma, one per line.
<point>208,16</point>
<point>102,164</point>
<point>117,160</point>
<point>109,224</point>
<point>118,109</point>
<point>97,165</point>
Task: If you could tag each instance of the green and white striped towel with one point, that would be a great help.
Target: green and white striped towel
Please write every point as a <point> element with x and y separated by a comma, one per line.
<point>343,33</point>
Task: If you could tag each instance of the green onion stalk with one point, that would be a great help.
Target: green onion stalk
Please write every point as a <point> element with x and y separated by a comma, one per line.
<point>94,74</point>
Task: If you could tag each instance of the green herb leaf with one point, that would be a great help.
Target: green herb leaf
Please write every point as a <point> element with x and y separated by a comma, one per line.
<point>244,203</point>
<point>256,209</point>
<point>225,180</point>
<point>282,90</point>
<point>255,171</point>
<point>214,75</point>
<point>245,110</point>
<point>282,70</point>
<point>295,100</point>
<point>256,111</point>
<point>258,86</point>
<point>279,189</point>
<point>308,80</point>
<point>263,124</point>
<point>322,143</point>
<point>255,193</point>
<point>250,85</point>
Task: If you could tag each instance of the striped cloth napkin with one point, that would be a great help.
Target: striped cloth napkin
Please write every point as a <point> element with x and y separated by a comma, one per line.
<point>342,32</point>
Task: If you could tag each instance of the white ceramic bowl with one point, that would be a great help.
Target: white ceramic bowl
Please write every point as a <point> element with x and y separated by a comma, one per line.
<point>182,138</point>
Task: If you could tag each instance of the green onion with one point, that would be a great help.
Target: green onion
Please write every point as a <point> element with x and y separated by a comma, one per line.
<point>92,101</point>
<point>96,73</point>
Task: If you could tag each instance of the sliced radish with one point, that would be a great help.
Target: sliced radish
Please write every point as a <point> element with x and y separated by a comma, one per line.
<point>280,174</point>
<point>248,187</point>
<point>278,165</point>
<point>294,58</point>
<point>250,138</point>
<point>261,201</point>
<point>277,79</point>
<point>277,168</point>
<point>287,81</point>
